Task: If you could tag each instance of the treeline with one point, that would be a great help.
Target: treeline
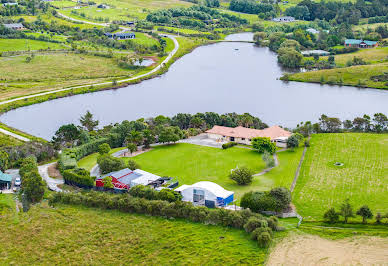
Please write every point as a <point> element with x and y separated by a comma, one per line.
<point>341,12</point>
<point>24,7</point>
<point>251,7</point>
<point>377,124</point>
<point>197,16</point>
<point>261,228</point>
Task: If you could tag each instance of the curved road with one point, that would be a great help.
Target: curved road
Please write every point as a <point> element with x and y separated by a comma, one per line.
<point>165,61</point>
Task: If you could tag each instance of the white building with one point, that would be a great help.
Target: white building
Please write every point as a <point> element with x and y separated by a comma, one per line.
<point>284,19</point>
<point>206,193</point>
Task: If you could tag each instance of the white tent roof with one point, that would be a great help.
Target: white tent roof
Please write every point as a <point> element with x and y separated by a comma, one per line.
<point>210,186</point>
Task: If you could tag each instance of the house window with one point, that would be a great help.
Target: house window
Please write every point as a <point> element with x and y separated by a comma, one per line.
<point>198,195</point>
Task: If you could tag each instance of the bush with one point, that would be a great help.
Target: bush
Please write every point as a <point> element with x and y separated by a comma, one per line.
<point>263,144</point>
<point>229,145</point>
<point>264,239</point>
<point>148,193</point>
<point>78,177</point>
<point>307,143</point>
<point>253,223</point>
<point>258,231</point>
<point>32,183</point>
<point>103,148</point>
<point>277,200</point>
<point>268,159</point>
<point>331,216</point>
<point>133,165</point>
<point>242,176</point>
<point>108,163</point>
<point>292,142</point>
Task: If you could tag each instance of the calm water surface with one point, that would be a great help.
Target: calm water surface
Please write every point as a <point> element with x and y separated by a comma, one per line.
<point>224,77</point>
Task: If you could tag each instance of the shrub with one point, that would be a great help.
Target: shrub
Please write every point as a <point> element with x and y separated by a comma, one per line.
<point>78,177</point>
<point>331,216</point>
<point>103,148</point>
<point>292,142</point>
<point>365,213</point>
<point>242,176</point>
<point>133,165</point>
<point>229,145</point>
<point>277,199</point>
<point>268,159</point>
<point>307,143</point>
<point>108,163</point>
<point>282,195</point>
<point>253,223</point>
<point>258,231</point>
<point>264,239</point>
<point>263,144</point>
<point>148,193</point>
<point>32,183</point>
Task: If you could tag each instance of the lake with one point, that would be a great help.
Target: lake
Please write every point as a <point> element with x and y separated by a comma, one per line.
<point>223,77</point>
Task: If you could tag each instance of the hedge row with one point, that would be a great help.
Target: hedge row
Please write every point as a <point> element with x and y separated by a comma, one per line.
<point>229,145</point>
<point>69,157</point>
<point>78,177</point>
<point>148,193</point>
<point>244,219</point>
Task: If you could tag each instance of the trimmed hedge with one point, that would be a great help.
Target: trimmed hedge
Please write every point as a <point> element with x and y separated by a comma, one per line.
<point>146,192</point>
<point>178,209</point>
<point>79,177</point>
<point>277,199</point>
<point>229,145</point>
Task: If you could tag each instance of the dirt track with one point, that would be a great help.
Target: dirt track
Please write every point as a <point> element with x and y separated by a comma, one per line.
<point>313,250</point>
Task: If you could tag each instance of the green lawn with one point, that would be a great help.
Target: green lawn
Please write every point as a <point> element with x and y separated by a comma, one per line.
<point>145,39</point>
<point>63,3</point>
<point>91,160</point>
<point>352,76</point>
<point>68,235</point>
<point>7,204</point>
<point>363,178</point>
<point>191,163</point>
<point>284,173</point>
<point>26,44</point>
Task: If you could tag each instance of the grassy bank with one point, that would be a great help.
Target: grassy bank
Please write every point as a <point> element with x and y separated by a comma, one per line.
<point>362,178</point>
<point>351,76</point>
<point>76,235</point>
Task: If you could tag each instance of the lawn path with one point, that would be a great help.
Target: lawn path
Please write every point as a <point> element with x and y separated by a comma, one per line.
<point>298,169</point>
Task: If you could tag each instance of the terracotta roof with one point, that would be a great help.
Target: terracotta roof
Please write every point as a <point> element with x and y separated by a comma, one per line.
<point>249,133</point>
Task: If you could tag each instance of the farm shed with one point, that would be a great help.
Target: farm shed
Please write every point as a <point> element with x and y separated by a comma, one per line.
<point>5,181</point>
<point>207,194</point>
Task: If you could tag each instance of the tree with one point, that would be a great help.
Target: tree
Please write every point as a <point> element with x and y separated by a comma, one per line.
<point>242,176</point>
<point>66,134</point>
<point>4,161</point>
<point>170,134</point>
<point>257,26</point>
<point>365,213</point>
<point>33,186</point>
<point>381,122</point>
<point>292,142</point>
<point>88,122</point>
<point>289,57</point>
<point>107,182</point>
<point>346,210</point>
<point>104,149</point>
<point>148,138</point>
<point>298,12</point>
<point>131,147</point>
<point>282,196</point>
<point>133,165</point>
<point>135,137</point>
<point>262,144</point>
<point>331,216</point>
<point>258,37</point>
<point>108,163</point>
<point>379,217</point>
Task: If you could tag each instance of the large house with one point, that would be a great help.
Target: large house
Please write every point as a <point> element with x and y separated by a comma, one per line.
<point>360,43</point>
<point>121,35</point>
<point>127,178</point>
<point>207,194</point>
<point>244,135</point>
<point>14,26</point>
<point>284,19</point>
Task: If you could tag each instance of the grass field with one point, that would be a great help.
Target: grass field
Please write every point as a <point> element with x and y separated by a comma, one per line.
<point>363,178</point>
<point>191,163</point>
<point>59,38</point>
<point>77,236</point>
<point>91,160</point>
<point>127,9</point>
<point>352,76</point>
<point>7,205</point>
<point>26,45</point>
<point>62,4</point>
<point>54,71</point>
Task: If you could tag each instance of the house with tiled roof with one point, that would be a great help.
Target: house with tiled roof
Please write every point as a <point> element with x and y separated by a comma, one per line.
<point>360,43</point>
<point>245,135</point>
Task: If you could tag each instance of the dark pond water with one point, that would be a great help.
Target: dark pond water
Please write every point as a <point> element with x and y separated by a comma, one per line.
<point>224,77</point>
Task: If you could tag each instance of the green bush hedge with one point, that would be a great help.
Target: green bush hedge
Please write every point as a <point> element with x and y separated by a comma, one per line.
<point>78,177</point>
<point>229,145</point>
<point>177,209</point>
<point>277,200</point>
<point>146,192</point>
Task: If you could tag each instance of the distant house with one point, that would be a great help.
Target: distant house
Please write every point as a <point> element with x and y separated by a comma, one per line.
<point>312,31</point>
<point>284,19</point>
<point>360,43</point>
<point>121,35</point>
<point>103,6</point>
<point>5,181</point>
<point>207,194</point>
<point>130,23</point>
<point>244,135</point>
<point>14,26</point>
<point>317,52</point>
<point>127,178</point>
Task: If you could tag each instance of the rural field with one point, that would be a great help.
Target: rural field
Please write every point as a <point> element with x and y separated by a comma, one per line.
<point>55,71</point>
<point>352,76</point>
<point>77,235</point>
<point>363,178</point>
<point>7,45</point>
